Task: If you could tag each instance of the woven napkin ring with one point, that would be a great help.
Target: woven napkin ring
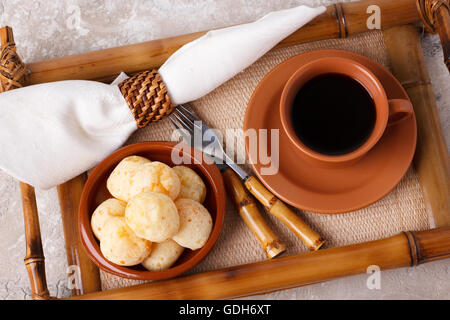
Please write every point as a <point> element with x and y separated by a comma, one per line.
<point>147,97</point>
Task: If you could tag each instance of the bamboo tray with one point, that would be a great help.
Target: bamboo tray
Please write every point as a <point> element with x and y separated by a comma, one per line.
<point>407,249</point>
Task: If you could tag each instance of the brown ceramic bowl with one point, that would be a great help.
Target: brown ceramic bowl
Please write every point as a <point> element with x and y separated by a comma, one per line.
<point>95,192</point>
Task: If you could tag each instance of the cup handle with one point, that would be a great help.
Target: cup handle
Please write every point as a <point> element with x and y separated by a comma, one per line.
<point>399,110</point>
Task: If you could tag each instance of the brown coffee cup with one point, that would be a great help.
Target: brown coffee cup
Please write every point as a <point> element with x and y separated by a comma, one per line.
<point>388,111</point>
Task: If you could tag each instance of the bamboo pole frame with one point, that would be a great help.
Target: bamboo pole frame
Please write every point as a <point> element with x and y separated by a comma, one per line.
<point>403,250</point>
<point>431,159</point>
<point>34,258</point>
<point>406,249</point>
<point>339,21</point>
<point>69,195</point>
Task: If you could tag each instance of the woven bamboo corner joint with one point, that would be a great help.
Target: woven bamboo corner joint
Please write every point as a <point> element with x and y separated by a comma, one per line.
<point>147,97</point>
<point>428,9</point>
<point>435,15</point>
<point>12,69</point>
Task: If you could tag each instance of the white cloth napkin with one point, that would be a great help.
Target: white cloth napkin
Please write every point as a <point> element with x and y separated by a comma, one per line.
<point>50,133</point>
<point>219,55</point>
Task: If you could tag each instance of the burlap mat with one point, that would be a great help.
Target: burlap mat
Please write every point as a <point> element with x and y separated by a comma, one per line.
<point>403,209</point>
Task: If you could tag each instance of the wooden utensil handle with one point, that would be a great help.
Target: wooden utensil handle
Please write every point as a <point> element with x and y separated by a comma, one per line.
<point>249,212</point>
<point>13,76</point>
<point>277,208</point>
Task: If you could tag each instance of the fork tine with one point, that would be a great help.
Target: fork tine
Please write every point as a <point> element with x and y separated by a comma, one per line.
<point>186,126</point>
<point>187,137</point>
<point>174,123</point>
<point>188,112</point>
<point>186,118</point>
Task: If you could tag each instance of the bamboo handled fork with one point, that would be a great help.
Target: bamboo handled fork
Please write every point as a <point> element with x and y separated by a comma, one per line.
<point>190,127</point>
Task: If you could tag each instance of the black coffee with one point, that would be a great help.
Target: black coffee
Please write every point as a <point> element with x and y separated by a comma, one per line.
<point>333,114</point>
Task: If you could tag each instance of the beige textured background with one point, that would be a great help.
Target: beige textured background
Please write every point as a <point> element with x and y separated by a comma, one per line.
<point>46,29</point>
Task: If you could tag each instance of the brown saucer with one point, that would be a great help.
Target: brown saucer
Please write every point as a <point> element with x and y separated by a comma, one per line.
<point>330,190</point>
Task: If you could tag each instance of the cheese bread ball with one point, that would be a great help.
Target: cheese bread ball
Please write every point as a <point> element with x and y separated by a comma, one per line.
<point>106,211</point>
<point>123,177</point>
<point>121,246</point>
<point>163,256</point>
<point>152,216</point>
<point>156,177</point>
<point>192,186</point>
<point>195,224</point>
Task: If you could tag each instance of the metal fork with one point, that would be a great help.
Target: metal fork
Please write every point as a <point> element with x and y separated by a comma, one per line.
<point>191,126</point>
